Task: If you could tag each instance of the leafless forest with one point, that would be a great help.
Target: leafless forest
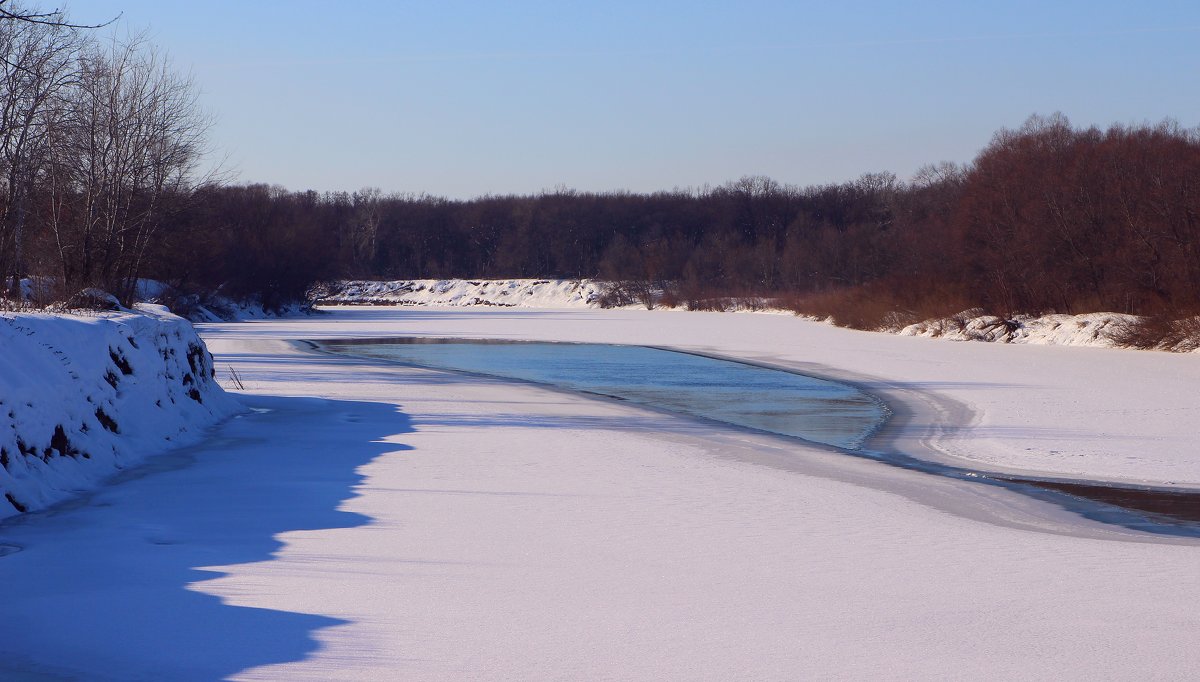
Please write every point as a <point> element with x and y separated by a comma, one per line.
<point>102,142</point>
<point>1047,218</point>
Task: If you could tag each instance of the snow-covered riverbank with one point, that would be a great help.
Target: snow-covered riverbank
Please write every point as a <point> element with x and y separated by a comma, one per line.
<point>505,293</point>
<point>1101,330</point>
<point>83,396</point>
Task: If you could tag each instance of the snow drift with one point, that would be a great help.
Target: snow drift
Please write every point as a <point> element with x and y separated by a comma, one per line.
<point>82,396</point>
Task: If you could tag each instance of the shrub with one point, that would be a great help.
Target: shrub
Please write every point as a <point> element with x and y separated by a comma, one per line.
<point>1162,332</point>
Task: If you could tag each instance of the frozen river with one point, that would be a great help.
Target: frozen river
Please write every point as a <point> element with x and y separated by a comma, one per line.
<point>756,396</point>
<point>371,520</point>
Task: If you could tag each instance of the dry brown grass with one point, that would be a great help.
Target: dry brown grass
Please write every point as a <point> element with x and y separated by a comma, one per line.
<point>875,307</point>
<point>1164,331</point>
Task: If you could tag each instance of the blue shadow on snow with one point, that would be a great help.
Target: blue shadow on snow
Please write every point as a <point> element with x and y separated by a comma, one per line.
<point>106,587</point>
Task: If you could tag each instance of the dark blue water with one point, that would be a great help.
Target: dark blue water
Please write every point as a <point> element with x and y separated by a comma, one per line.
<point>770,400</point>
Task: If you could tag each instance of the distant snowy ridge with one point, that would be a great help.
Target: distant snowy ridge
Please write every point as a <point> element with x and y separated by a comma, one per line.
<point>83,396</point>
<point>522,293</point>
<point>1090,329</point>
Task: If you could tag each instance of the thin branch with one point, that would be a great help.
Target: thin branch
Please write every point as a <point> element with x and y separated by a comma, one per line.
<point>55,17</point>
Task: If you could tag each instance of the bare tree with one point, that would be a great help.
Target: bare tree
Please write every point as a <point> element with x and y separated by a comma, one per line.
<point>364,228</point>
<point>37,66</point>
<point>15,12</point>
<point>129,143</point>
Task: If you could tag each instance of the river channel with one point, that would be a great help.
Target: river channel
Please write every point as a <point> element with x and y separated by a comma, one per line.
<point>770,399</point>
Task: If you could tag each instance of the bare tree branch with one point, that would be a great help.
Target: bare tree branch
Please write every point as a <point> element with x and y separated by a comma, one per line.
<point>55,17</point>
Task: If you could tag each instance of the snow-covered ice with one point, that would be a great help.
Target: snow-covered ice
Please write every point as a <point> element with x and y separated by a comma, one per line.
<point>379,522</point>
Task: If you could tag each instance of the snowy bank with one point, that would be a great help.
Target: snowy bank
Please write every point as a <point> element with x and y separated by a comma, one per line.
<point>507,293</point>
<point>82,396</point>
<point>1099,330</point>
<point>223,309</point>
<point>214,306</point>
<point>1091,329</point>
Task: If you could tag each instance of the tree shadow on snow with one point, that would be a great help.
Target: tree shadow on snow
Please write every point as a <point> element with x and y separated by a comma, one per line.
<point>112,586</point>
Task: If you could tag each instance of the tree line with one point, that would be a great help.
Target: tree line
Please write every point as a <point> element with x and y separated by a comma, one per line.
<point>101,143</point>
<point>1047,218</point>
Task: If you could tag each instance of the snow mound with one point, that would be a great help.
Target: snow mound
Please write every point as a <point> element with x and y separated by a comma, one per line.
<point>524,293</point>
<point>83,396</point>
<point>1091,329</point>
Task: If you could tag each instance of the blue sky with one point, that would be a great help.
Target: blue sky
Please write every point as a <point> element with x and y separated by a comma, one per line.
<point>462,98</point>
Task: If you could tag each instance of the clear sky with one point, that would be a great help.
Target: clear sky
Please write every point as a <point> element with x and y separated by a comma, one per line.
<point>468,98</point>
